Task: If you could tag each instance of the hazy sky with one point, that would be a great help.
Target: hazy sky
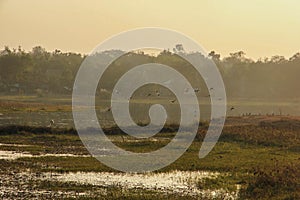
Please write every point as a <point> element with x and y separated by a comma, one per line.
<point>259,27</point>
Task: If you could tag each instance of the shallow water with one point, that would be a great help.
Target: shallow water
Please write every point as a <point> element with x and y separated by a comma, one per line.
<point>20,185</point>
<point>140,112</point>
<point>13,155</point>
<point>62,119</point>
<point>179,182</point>
<point>15,145</point>
<point>23,186</point>
<point>174,182</point>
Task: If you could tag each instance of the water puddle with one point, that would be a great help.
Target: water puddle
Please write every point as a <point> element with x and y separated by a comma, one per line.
<point>15,145</point>
<point>175,182</point>
<point>178,182</point>
<point>13,155</point>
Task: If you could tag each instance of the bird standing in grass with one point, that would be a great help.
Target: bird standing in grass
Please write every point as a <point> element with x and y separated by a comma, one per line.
<point>51,123</point>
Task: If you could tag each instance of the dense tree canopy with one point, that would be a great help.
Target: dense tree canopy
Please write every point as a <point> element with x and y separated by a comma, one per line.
<point>52,73</point>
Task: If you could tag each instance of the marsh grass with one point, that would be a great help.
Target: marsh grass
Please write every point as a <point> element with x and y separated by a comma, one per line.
<point>280,181</point>
<point>262,158</point>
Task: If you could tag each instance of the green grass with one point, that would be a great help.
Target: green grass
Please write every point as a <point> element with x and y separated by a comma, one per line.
<point>264,159</point>
<point>238,162</point>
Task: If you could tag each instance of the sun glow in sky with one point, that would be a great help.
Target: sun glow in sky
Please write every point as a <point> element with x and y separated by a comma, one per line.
<point>260,28</point>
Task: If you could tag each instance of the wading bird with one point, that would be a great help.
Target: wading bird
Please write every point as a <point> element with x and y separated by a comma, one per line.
<point>51,123</point>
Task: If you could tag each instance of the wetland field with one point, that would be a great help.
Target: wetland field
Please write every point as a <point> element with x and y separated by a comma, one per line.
<point>257,157</point>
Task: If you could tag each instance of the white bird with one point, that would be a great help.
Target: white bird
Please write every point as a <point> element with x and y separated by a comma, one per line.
<point>51,123</point>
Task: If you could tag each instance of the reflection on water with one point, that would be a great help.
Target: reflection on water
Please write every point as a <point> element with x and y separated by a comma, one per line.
<point>24,185</point>
<point>180,182</point>
<point>13,155</point>
<point>174,182</point>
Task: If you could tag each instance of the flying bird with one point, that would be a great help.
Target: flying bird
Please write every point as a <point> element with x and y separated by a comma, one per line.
<point>157,93</point>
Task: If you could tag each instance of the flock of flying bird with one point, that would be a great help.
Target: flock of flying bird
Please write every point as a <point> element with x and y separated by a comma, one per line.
<point>196,90</point>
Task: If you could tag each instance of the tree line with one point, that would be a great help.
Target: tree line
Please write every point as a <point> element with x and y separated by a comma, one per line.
<point>40,72</point>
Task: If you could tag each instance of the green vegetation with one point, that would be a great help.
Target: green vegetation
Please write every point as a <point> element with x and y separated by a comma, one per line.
<point>42,73</point>
<point>263,158</point>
